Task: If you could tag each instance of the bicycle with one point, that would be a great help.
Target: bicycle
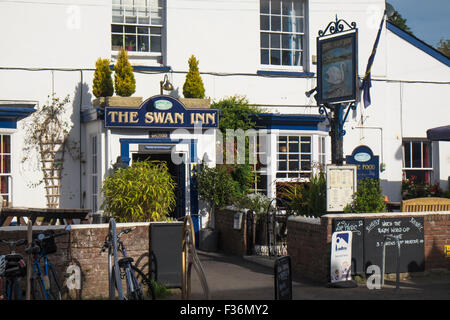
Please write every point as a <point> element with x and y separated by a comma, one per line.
<point>44,282</point>
<point>13,268</point>
<point>138,284</point>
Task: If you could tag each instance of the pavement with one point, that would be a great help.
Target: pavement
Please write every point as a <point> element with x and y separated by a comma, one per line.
<point>252,278</point>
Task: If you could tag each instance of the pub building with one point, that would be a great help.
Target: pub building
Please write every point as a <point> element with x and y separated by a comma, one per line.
<point>263,50</point>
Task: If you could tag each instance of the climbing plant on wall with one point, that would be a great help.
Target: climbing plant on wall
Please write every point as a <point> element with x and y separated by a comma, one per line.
<point>47,133</point>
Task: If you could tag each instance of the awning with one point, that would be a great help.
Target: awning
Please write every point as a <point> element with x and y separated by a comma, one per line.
<point>439,133</point>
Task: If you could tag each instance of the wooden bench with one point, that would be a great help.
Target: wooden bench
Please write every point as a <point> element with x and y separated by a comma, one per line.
<point>426,204</point>
<point>48,216</point>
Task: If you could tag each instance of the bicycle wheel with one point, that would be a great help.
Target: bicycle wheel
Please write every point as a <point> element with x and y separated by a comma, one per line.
<point>13,289</point>
<point>147,263</point>
<point>145,285</point>
<point>37,288</point>
<point>55,288</point>
<point>115,284</point>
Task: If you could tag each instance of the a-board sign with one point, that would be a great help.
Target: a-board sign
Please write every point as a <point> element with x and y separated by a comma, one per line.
<point>341,184</point>
<point>409,230</point>
<point>356,226</point>
<point>283,278</point>
<point>341,256</point>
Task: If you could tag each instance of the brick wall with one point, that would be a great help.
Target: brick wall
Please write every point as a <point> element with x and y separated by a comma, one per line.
<point>309,242</point>
<point>82,247</point>
<point>231,241</point>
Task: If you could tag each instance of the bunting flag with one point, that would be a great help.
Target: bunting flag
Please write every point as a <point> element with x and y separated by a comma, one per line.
<point>367,80</point>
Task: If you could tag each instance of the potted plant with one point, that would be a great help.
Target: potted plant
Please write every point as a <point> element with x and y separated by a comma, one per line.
<point>142,192</point>
<point>193,88</point>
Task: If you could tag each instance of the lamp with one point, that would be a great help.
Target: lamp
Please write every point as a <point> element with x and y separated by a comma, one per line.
<point>165,85</point>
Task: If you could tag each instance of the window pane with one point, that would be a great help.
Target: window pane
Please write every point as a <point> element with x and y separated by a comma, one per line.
<point>264,22</point>
<point>143,30</point>
<point>6,164</point>
<point>286,42</point>
<point>155,44</point>
<point>275,40</point>
<point>297,41</point>
<point>4,185</point>
<point>6,145</point>
<point>298,25</point>
<point>275,57</point>
<point>130,20</point>
<point>406,155</point>
<point>130,29</point>
<point>288,58</point>
<point>282,166</point>
<point>287,7</point>
<point>156,17</point>
<point>298,8</point>
<point>282,147</point>
<point>264,56</point>
<point>155,30</point>
<point>293,146</point>
<point>130,43</point>
<point>117,19</point>
<point>288,24</point>
<point>143,43</point>
<point>264,6</point>
<point>293,165</point>
<point>116,42</point>
<point>416,155</point>
<point>426,150</point>
<point>298,58</point>
<point>305,147</point>
<point>275,23</point>
<point>275,7</point>
<point>264,40</point>
<point>116,28</point>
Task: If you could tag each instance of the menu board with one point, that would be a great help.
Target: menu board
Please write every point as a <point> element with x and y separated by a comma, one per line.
<point>283,278</point>
<point>341,184</point>
<point>410,232</point>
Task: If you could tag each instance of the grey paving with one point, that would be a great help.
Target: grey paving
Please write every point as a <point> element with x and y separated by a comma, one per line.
<point>237,278</point>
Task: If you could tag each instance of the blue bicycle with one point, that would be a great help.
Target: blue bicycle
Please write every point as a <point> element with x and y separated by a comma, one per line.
<point>44,282</point>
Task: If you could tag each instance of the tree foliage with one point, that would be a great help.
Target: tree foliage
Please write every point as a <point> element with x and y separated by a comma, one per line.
<point>193,85</point>
<point>142,192</point>
<point>124,82</point>
<point>103,83</point>
<point>399,21</point>
<point>444,47</point>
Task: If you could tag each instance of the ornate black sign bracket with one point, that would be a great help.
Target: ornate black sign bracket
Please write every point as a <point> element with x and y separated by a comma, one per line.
<point>337,26</point>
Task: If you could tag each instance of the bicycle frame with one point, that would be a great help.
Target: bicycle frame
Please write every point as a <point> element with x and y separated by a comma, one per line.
<point>47,266</point>
<point>129,273</point>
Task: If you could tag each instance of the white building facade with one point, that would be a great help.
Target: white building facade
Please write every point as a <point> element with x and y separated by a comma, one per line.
<point>264,50</point>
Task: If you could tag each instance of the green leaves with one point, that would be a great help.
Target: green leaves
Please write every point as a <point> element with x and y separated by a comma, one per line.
<point>368,198</point>
<point>124,82</point>
<point>193,85</point>
<point>102,83</point>
<point>142,192</point>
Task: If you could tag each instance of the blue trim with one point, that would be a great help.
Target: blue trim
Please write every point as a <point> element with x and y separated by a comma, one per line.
<point>288,121</point>
<point>418,43</point>
<point>5,124</point>
<point>148,68</point>
<point>125,152</point>
<point>149,140</point>
<point>285,73</point>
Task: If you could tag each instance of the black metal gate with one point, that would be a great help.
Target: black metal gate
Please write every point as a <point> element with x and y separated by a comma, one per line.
<point>267,232</point>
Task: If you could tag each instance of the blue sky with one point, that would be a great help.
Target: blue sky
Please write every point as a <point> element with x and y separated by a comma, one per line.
<point>429,20</point>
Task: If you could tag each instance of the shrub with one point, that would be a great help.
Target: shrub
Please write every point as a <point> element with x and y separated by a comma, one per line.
<point>193,85</point>
<point>141,192</point>
<point>124,82</point>
<point>103,84</point>
<point>368,198</point>
<point>308,198</point>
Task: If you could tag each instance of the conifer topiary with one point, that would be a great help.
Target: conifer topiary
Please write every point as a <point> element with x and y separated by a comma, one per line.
<point>193,86</point>
<point>124,82</point>
<point>103,84</point>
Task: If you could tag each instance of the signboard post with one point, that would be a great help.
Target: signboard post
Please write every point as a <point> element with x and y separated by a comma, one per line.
<point>341,184</point>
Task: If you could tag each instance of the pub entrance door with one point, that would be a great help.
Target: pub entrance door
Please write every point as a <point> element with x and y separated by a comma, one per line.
<point>178,174</point>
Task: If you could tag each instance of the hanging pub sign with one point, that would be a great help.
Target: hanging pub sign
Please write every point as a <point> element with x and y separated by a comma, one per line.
<point>337,68</point>
<point>367,165</point>
<point>161,112</point>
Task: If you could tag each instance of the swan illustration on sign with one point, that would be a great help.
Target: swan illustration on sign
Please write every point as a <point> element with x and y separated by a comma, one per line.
<point>337,68</point>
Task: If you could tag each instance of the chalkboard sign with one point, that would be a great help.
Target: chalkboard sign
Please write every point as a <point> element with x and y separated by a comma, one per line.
<point>356,226</point>
<point>283,278</point>
<point>410,232</point>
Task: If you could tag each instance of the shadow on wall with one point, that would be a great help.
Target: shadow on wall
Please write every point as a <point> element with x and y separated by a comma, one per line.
<point>71,179</point>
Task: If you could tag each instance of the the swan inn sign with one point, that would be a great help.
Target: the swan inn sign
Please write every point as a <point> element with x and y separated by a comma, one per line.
<point>161,112</point>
